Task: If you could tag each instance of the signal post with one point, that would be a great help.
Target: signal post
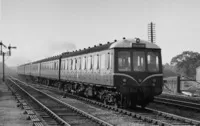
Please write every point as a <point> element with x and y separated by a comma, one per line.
<point>3,56</point>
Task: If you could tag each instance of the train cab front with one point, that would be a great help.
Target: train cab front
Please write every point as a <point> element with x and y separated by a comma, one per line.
<point>138,75</point>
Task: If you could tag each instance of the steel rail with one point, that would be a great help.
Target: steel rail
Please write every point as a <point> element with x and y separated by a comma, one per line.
<point>180,103</point>
<point>137,115</point>
<point>68,105</point>
<point>60,120</point>
<point>188,120</point>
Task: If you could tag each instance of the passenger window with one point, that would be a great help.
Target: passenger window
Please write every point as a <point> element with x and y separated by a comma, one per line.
<point>62,65</point>
<point>54,65</point>
<point>108,61</point>
<point>79,63</point>
<point>89,62</point>
<point>74,64</point>
<point>71,64</point>
<point>102,65</point>
<point>66,64</point>
<point>83,63</point>
<point>95,62</point>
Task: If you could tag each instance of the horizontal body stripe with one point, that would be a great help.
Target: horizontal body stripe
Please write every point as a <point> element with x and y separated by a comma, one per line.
<point>126,75</point>
<point>153,75</point>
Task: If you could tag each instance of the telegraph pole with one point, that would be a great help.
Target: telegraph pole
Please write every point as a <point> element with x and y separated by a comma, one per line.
<point>3,56</point>
<point>151,32</point>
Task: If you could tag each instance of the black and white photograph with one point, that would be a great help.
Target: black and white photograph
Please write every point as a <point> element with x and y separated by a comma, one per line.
<point>99,63</point>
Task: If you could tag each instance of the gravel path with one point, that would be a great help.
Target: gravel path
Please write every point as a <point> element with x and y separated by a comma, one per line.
<point>10,115</point>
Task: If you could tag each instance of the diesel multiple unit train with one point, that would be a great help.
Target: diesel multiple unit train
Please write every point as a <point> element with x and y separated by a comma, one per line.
<point>126,73</point>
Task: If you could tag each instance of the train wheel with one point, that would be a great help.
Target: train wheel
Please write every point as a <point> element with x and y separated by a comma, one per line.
<point>116,103</point>
<point>104,101</point>
<point>143,105</point>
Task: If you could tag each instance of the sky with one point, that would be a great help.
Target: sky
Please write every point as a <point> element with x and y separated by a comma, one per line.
<point>43,28</point>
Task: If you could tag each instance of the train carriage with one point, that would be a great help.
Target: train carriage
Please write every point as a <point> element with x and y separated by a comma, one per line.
<point>127,72</point>
<point>20,70</point>
<point>50,70</point>
<point>27,69</point>
<point>35,69</point>
<point>130,68</point>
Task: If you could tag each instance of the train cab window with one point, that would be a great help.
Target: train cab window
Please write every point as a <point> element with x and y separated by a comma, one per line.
<point>139,61</point>
<point>103,61</point>
<point>124,61</point>
<point>153,61</point>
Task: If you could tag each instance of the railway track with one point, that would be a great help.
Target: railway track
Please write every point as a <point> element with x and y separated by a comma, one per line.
<point>181,98</point>
<point>177,102</point>
<point>148,115</point>
<point>63,113</point>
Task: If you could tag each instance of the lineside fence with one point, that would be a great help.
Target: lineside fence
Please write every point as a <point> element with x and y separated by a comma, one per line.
<point>177,84</point>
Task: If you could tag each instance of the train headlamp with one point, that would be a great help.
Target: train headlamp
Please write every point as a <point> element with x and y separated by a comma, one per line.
<point>137,40</point>
<point>124,80</point>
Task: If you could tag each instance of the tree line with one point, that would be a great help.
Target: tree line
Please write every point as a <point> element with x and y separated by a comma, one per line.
<point>184,64</point>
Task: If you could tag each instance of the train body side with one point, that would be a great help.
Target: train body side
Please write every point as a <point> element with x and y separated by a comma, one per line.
<point>27,70</point>
<point>50,69</point>
<point>129,70</point>
<point>81,68</point>
<point>35,69</point>
<point>21,70</point>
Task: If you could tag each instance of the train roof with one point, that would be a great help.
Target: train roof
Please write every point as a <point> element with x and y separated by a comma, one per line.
<point>124,43</point>
<point>24,64</point>
<point>96,48</point>
<point>128,43</point>
<point>48,59</point>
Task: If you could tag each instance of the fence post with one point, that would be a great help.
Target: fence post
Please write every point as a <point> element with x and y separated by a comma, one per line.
<point>178,84</point>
